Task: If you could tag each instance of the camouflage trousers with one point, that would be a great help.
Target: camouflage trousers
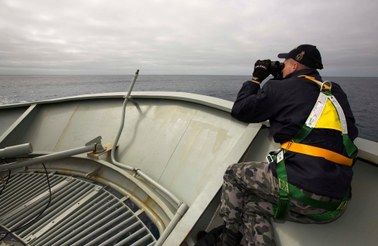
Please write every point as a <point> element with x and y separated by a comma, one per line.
<point>248,194</point>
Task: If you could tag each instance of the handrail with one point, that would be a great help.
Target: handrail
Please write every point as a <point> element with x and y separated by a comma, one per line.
<point>181,207</point>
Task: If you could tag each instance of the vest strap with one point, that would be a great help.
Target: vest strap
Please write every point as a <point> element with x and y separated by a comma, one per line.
<point>323,85</point>
<point>281,209</point>
<point>317,152</point>
<point>286,191</point>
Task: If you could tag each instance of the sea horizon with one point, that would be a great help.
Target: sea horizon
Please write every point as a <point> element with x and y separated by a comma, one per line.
<point>29,88</point>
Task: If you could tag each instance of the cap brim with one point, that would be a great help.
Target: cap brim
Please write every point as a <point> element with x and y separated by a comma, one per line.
<point>283,55</point>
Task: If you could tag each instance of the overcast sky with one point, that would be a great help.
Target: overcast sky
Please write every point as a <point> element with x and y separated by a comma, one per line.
<point>183,37</point>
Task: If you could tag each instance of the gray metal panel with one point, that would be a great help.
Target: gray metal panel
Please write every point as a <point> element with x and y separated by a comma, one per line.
<point>171,141</point>
<point>64,126</point>
<point>8,117</point>
<point>183,141</point>
<point>15,124</point>
<point>367,150</point>
<point>174,142</point>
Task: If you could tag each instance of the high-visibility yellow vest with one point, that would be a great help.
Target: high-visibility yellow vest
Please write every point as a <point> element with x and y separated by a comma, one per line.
<point>326,113</point>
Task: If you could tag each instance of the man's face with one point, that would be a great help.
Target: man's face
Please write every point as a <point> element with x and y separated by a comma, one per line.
<point>290,66</point>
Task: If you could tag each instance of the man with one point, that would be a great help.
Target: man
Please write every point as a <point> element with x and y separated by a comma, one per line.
<point>308,179</point>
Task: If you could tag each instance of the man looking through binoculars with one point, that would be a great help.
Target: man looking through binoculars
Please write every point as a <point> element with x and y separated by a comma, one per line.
<point>308,179</point>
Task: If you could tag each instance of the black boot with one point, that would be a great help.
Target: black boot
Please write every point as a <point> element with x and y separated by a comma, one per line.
<point>229,238</point>
<point>209,238</point>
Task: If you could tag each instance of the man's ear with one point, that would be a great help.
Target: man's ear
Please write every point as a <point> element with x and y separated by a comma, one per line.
<point>295,66</point>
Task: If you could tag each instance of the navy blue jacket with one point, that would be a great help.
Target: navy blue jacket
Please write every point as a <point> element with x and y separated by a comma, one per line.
<point>286,104</point>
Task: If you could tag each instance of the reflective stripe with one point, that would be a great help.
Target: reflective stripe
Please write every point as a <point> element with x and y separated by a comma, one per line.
<point>316,110</point>
<point>317,152</point>
<point>341,114</point>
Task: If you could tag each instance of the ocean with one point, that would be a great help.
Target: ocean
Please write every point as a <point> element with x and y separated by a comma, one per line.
<point>361,91</point>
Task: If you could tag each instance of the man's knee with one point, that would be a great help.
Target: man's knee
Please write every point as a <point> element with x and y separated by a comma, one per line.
<point>231,172</point>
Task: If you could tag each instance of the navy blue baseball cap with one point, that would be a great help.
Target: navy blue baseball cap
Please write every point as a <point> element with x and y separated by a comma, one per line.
<point>305,54</point>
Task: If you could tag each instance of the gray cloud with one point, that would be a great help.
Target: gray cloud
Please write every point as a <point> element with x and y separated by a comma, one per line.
<point>182,37</point>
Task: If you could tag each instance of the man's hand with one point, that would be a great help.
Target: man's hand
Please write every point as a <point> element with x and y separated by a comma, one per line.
<point>261,70</point>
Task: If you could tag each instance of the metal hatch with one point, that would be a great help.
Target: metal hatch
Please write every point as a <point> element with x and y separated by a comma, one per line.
<point>80,212</point>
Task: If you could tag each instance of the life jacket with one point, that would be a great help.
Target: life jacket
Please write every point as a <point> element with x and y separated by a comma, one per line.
<point>326,113</point>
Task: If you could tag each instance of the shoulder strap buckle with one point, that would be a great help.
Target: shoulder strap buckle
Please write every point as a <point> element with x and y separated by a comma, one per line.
<point>326,86</point>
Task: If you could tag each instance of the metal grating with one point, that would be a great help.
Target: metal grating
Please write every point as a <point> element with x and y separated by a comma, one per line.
<point>80,213</point>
